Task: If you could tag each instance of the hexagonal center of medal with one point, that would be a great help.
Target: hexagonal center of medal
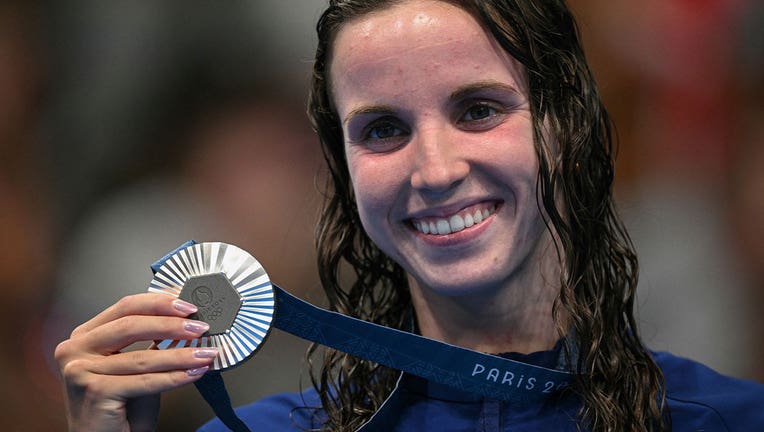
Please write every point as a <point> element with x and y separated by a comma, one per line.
<point>216,298</point>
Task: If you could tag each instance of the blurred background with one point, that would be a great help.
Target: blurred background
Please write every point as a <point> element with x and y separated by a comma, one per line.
<point>127,128</point>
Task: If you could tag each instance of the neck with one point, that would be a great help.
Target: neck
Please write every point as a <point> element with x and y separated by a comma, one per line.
<point>515,317</point>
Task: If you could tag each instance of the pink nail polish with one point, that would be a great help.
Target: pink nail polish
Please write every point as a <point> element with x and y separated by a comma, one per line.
<point>206,353</point>
<point>196,326</point>
<point>184,306</point>
<point>197,371</point>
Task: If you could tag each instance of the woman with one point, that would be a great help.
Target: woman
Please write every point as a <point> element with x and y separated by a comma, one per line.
<point>470,189</point>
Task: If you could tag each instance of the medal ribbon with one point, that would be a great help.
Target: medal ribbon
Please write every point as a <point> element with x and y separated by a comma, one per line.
<point>485,374</point>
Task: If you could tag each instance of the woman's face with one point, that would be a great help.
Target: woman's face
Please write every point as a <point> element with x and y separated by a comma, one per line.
<point>439,144</point>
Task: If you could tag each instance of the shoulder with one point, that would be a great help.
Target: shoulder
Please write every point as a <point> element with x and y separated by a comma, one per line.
<point>277,413</point>
<point>701,397</point>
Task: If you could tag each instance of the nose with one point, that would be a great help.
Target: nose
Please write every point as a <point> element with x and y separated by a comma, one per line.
<point>439,163</point>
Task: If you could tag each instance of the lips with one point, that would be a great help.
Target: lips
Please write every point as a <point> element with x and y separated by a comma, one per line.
<point>448,224</point>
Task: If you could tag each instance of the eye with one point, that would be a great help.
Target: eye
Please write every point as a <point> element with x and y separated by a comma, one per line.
<point>480,115</point>
<point>383,130</point>
<point>479,112</point>
<point>382,135</point>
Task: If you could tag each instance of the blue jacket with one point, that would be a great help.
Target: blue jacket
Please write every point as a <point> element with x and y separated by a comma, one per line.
<point>699,399</point>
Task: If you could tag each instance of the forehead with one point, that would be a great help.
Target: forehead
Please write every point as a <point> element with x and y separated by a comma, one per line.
<point>408,23</point>
<point>425,36</point>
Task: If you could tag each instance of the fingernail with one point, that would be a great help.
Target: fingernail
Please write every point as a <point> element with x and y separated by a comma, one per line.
<point>197,371</point>
<point>206,353</point>
<point>184,306</point>
<point>196,326</point>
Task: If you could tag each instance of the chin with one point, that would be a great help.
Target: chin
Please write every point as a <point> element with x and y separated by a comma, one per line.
<point>462,285</point>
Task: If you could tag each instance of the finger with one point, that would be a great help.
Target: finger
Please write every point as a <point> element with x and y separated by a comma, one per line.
<point>138,304</point>
<point>115,335</point>
<point>151,361</point>
<point>124,387</point>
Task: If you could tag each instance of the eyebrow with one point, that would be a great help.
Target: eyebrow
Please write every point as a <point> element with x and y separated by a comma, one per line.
<point>460,93</point>
<point>368,109</point>
<point>479,86</point>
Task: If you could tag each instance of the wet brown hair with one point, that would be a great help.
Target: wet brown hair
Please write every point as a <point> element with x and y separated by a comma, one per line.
<point>621,387</point>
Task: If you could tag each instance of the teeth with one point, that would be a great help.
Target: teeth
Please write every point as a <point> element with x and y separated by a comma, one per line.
<point>454,223</point>
<point>478,217</point>
<point>468,220</point>
<point>443,227</point>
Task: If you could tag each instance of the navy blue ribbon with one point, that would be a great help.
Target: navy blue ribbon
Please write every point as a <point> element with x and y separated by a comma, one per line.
<point>488,375</point>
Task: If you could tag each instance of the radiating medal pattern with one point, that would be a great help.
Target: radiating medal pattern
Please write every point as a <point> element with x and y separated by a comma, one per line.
<point>232,292</point>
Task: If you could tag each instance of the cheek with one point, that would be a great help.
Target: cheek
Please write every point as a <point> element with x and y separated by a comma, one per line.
<point>379,186</point>
<point>371,192</point>
<point>509,155</point>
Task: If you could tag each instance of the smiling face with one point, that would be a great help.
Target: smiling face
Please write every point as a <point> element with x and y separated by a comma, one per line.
<point>439,143</point>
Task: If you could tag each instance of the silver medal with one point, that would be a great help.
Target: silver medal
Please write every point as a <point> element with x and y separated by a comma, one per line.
<point>233,293</point>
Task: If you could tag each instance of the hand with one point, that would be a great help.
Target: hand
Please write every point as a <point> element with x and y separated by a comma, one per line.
<point>109,390</point>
